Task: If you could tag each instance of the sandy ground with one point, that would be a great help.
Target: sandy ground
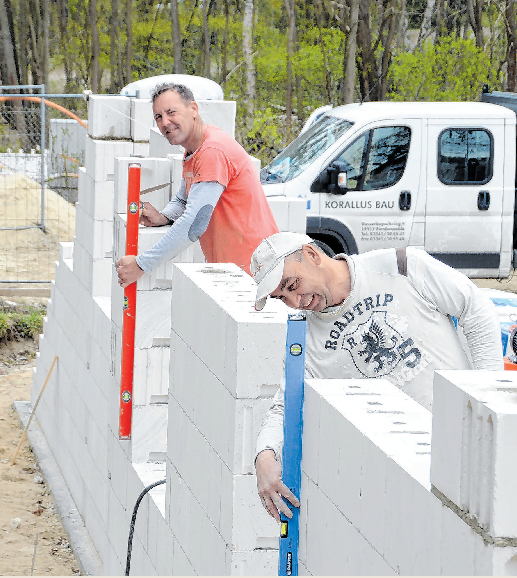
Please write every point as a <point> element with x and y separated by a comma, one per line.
<point>27,508</point>
<point>30,253</point>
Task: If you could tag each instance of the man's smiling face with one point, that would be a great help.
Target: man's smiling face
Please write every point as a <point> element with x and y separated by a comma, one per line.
<point>303,285</point>
<point>174,118</point>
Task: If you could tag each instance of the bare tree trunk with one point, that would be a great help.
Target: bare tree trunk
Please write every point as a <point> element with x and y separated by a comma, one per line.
<point>425,28</point>
<point>289,6</point>
<point>176,37</point>
<point>95,46</point>
<point>350,53</point>
<point>113,46</point>
<point>247,41</point>
<point>440,20</point>
<point>206,38</point>
<point>35,55</point>
<point>129,46</point>
<point>8,67</point>
<point>226,39</point>
<point>365,52</point>
<point>403,25</point>
<point>475,12</point>
<point>45,31</point>
<point>386,55</point>
<point>23,37</point>
<point>511,54</point>
<point>326,81</point>
<point>8,47</point>
<point>63,32</point>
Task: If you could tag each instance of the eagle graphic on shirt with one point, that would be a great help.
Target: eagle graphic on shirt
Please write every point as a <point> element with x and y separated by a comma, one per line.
<point>377,348</point>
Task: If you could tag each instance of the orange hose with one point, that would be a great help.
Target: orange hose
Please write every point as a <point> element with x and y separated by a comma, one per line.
<point>48,103</point>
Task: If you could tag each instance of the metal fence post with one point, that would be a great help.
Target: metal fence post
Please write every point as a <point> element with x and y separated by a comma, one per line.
<point>43,166</point>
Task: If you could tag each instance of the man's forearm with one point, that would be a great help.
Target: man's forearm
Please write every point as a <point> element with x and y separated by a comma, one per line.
<point>186,229</point>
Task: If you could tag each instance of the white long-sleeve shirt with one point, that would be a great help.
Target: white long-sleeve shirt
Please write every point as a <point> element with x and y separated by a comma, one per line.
<point>398,328</point>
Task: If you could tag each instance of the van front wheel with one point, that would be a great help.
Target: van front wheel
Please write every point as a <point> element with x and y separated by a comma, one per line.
<point>328,245</point>
<point>325,248</point>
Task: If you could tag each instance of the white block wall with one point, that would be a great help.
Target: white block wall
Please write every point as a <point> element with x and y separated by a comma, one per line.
<point>226,363</point>
<point>475,437</point>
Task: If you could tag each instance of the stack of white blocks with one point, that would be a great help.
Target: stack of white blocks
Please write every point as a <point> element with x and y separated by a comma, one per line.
<point>473,463</point>
<point>368,507</point>
<point>226,363</point>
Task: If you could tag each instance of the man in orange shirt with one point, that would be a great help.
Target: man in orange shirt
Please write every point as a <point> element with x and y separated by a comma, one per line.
<point>220,200</point>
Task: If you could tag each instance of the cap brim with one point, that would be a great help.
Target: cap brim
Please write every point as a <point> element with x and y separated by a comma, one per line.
<point>270,282</point>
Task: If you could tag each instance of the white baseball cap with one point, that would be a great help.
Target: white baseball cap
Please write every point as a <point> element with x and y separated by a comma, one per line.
<point>267,262</point>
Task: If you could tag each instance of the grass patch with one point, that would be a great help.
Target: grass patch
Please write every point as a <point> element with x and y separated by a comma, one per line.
<point>20,321</point>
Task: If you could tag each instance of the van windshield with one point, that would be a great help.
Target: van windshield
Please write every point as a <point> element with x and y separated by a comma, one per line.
<point>305,149</point>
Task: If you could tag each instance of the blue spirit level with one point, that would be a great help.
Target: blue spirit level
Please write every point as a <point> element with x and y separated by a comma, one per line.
<point>292,452</point>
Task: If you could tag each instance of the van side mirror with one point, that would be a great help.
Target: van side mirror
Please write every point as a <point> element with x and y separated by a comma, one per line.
<point>332,180</point>
<point>338,178</point>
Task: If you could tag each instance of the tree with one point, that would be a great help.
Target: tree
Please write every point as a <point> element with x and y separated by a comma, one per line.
<point>95,46</point>
<point>289,6</point>
<point>176,37</point>
<point>475,13</point>
<point>129,43</point>
<point>247,39</point>
<point>9,66</point>
<point>451,70</point>
<point>511,52</point>
<point>349,82</point>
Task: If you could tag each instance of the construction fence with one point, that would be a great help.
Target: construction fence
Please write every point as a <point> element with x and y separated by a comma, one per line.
<point>41,149</point>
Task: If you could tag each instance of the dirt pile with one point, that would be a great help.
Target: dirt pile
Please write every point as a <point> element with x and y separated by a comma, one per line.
<point>27,253</point>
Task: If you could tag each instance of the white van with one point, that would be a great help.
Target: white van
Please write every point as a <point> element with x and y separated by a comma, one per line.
<point>440,176</point>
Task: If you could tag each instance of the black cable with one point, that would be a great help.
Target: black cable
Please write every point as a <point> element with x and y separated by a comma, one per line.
<point>133,520</point>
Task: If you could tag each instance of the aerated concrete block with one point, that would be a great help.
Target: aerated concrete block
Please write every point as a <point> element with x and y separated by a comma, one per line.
<point>159,146</point>
<point>141,149</point>
<point>255,563</point>
<point>176,172</point>
<point>200,394</point>
<point>95,236</point>
<point>298,215</point>
<point>249,360</point>
<point>109,117</point>
<point>66,250</point>
<point>149,432</point>
<point>153,172</point>
<point>474,443</point>
<point>142,119</point>
<point>220,113</point>
<point>94,274</point>
<point>256,163</point>
<point>96,197</point>
<point>253,527</point>
<point>100,157</point>
<point>280,208</point>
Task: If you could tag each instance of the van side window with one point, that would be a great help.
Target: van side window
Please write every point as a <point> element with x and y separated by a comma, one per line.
<point>377,159</point>
<point>388,155</point>
<point>353,161</point>
<point>465,156</point>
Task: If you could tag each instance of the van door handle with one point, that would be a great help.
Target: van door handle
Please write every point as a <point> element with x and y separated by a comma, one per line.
<point>483,200</point>
<point>405,200</point>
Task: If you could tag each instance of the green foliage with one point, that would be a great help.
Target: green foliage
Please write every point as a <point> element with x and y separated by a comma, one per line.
<point>20,322</point>
<point>4,325</point>
<point>451,70</point>
<point>267,135</point>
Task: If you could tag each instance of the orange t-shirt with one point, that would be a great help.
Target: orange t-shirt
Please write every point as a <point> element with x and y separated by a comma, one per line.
<point>242,217</point>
